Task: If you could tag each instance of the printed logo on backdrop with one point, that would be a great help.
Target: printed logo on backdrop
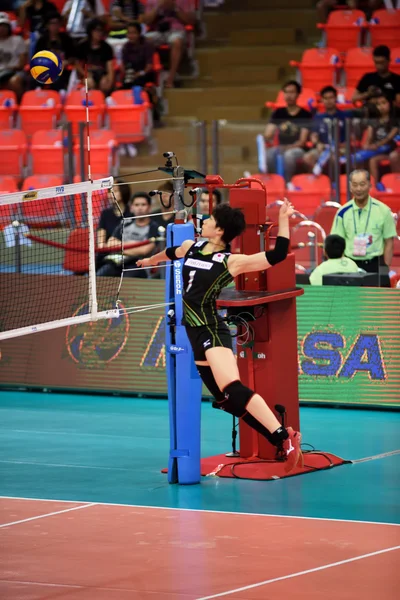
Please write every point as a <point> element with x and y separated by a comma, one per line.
<point>329,354</point>
<point>93,345</point>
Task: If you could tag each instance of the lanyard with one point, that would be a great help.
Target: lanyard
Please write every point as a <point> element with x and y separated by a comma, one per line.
<point>366,224</point>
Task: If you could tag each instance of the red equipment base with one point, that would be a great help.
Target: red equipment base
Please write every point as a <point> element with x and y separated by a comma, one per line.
<point>260,470</point>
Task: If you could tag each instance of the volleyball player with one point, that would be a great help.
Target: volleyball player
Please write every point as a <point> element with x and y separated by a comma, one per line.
<point>208,267</point>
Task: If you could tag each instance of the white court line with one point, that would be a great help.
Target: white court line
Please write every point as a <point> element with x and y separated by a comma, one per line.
<point>376,456</point>
<point>68,466</point>
<point>57,512</point>
<point>203,510</point>
<point>299,574</point>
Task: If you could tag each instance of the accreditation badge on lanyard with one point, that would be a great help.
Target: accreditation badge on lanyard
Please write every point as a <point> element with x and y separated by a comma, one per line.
<point>361,240</point>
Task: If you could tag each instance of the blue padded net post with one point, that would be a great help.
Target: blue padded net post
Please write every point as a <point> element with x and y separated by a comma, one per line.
<point>184,383</point>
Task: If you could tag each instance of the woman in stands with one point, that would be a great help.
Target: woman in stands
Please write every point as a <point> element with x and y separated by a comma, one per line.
<point>208,267</point>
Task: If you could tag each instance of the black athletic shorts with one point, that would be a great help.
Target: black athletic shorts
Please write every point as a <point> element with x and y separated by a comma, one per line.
<point>208,336</point>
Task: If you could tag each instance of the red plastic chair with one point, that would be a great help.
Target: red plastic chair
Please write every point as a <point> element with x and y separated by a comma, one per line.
<point>358,61</point>
<point>129,121</point>
<point>8,185</point>
<point>43,213</point>
<point>308,237</point>
<point>75,108</point>
<point>100,201</point>
<point>275,184</point>
<point>39,109</point>
<point>318,67</point>
<point>343,29</point>
<point>384,28</point>
<point>307,100</point>
<point>8,109</point>
<point>395,60</point>
<point>325,214</point>
<point>313,192</point>
<point>103,155</point>
<point>77,262</point>
<point>13,146</point>
<point>391,195</point>
<point>47,152</point>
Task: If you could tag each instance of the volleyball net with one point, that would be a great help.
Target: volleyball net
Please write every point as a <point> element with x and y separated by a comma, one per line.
<point>47,235</point>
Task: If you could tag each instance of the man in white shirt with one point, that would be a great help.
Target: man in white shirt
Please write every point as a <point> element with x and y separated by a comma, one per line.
<point>13,57</point>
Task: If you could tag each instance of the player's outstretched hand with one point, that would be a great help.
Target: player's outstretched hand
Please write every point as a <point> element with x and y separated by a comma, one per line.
<point>286,210</point>
<point>144,262</point>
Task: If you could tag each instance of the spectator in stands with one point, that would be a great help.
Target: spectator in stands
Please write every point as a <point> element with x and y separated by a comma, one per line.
<point>111,216</point>
<point>124,12</point>
<point>87,12</point>
<point>381,132</point>
<point>322,135</point>
<point>325,7</point>
<point>36,11</point>
<point>380,81</point>
<point>62,44</point>
<point>138,229</point>
<point>336,261</point>
<point>13,57</point>
<point>98,55</point>
<point>137,58</point>
<point>292,124</point>
<point>367,225</point>
<point>166,20</point>
<point>203,206</point>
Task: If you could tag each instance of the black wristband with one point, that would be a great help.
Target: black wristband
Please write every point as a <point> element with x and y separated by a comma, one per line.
<point>171,252</point>
<point>279,253</point>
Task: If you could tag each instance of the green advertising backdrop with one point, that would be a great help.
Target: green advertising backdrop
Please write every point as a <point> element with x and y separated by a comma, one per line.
<point>348,340</point>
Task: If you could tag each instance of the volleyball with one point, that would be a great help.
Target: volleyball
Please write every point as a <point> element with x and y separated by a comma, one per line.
<point>46,67</point>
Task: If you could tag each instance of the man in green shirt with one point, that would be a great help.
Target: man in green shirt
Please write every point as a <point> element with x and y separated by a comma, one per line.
<point>367,225</point>
<point>336,262</point>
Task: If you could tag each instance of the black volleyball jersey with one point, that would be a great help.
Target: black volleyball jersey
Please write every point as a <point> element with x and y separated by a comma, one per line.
<point>204,276</point>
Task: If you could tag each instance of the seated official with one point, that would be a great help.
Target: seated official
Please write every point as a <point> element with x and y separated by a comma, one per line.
<point>336,261</point>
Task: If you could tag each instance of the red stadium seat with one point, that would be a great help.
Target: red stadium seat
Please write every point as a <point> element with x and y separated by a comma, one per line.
<point>343,29</point>
<point>384,28</point>
<point>75,108</point>
<point>312,191</point>
<point>318,67</point>
<point>48,212</point>
<point>358,62</point>
<point>77,262</point>
<point>12,152</point>
<point>40,109</point>
<point>306,238</point>
<point>307,100</point>
<point>103,153</point>
<point>47,152</point>
<point>275,184</point>
<point>129,121</point>
<point>8,185</point>
<point>8,109</point>
<point>100,201</point>
<point>395,60</point>
<point>325,214</point>
<point>391,195</point>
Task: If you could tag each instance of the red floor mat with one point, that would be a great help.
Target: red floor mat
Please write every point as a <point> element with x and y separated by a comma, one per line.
<point>259,470</point>
<point>256,468</point>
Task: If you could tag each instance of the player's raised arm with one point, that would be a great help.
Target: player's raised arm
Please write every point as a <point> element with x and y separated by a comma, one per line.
<point>244,263</point>
<point>167,254</point>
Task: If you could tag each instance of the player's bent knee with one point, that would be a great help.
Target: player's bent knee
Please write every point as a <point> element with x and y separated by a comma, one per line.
<point>236,398</point>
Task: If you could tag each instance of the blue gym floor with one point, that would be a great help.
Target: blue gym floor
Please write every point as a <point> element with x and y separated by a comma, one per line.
<point>112,449</point>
